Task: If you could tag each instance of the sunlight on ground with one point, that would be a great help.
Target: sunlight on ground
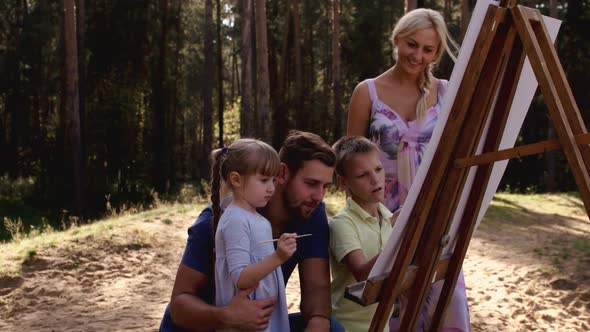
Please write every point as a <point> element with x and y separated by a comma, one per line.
<point>526,268</point>
<point>513,209</point>
<point>13,254</point>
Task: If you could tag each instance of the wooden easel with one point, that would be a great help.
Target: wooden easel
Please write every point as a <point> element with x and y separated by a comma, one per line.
<point>508,33</point>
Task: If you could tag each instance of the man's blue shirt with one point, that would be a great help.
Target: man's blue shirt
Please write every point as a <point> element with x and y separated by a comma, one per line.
<point>198,251</point>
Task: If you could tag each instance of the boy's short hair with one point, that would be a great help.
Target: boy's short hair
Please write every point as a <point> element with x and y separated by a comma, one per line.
<point>300,146</point>
<point>348,146</point>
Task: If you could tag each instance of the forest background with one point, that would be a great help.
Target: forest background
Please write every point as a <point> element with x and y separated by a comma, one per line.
<point>108,105</point>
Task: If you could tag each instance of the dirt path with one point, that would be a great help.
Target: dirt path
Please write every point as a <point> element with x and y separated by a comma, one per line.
<point>534,276</point>
<point>117,284</point>
<point>122,282</point>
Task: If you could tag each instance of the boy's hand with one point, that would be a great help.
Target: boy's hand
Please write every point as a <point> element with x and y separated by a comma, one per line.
<point>286,246</point>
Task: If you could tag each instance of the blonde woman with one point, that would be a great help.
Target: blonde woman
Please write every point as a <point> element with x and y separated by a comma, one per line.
<point>398,110</point>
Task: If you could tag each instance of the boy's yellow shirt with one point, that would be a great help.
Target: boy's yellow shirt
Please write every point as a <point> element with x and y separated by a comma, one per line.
<point>351,229</point>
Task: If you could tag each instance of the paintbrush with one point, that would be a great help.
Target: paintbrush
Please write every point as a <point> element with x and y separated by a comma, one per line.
<point>275,240</point>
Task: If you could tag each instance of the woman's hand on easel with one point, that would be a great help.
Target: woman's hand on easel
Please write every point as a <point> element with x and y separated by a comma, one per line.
<point>286,246</point>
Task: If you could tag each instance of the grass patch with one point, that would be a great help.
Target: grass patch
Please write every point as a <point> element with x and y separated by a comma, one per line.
<point>565,250</point>
<point>582,245</point>
<point>14,254</point>
<point>30,218</point>
<point>523,209</point>
<point>22,199</point>
<point>548,270</point>
<point>563,204</point>
<point>547,211</point>
<point>126,226</point>
<point>505,210</point>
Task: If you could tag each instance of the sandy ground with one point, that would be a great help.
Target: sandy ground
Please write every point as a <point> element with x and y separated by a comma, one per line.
<point>529,277</point>
<point>520,278</point>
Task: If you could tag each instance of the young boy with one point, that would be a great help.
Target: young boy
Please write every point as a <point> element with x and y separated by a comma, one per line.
<point>359,231</point>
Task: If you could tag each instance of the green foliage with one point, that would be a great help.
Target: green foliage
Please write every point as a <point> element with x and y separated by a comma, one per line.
<point>141,111</point>
<point>14,227</point>
<point>16,189</point>
<point>367,41</point>
<point>231,123</point>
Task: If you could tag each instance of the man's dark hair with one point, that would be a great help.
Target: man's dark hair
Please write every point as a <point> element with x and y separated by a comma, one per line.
<point>300,146</point>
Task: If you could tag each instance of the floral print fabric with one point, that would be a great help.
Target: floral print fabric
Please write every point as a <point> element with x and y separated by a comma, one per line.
<point>402,143</point>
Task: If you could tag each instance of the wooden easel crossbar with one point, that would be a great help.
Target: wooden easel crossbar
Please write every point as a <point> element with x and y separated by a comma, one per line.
<point>485,95</point>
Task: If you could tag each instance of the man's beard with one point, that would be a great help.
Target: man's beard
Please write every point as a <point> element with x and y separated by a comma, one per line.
<point>300,209</point>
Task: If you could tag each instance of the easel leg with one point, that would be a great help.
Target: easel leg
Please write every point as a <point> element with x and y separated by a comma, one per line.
<point>555,88</point>
<point>506,92</point>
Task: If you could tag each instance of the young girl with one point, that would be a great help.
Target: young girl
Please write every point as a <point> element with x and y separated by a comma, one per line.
<point>245,255</point>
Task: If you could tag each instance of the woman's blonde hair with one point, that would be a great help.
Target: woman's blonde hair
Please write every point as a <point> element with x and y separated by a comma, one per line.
<point>417,19</point>
<point>246,156</point>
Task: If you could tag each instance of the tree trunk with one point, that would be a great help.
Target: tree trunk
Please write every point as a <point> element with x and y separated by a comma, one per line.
<point>71,113</point>
<point>207,90</point>
<point>176,119</point>
<point>307,98</point>
<point>281,111</point>
<point>448,4</point>
<point>262,78</point>
<point>220,101</point>
<point>553,8</point>
<point>466,9</point>
<point>160,95</point>
<point>3,143</point>
<point>81,34</point>
<point>14,103</point>
<point>551,156</point>
<point>410,5</point>
<point>298,104</point>
<point>336,68</point>
<point>528,3</point>
<point>234,80</point>
<point>326,128</point>
<point>247,106</point>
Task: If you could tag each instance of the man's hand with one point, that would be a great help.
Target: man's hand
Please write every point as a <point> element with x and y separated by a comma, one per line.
<point>245,314</point>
